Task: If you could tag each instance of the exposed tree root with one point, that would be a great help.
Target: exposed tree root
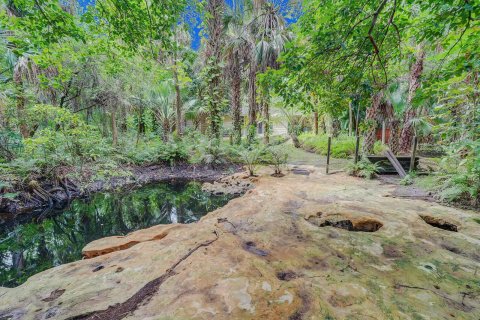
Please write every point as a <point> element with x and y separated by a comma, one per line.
<point>121,310</point>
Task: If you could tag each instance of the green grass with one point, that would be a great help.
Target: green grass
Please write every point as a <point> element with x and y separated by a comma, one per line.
<point>343,146</point>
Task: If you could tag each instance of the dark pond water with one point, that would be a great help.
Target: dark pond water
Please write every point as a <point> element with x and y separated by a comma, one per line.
<point>58,237</point>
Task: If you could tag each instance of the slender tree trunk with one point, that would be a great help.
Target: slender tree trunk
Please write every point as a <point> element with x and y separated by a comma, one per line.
<point>406,136</point>
<point>105,123</point>
<point>203,124</point>
<point>252,101</point>
<point>178,100</point>
<point>371,121</point>
<point>141,122</point>
<point>89,115</point>
<point>114,128</point>
<point>236,103</point>
<point>123,125</point>
<point>296,142</point>
<point>315,123</point>
<point>266,110</point>
<point>350,119</point>
<point>384,131</point>
<point>336,127</point>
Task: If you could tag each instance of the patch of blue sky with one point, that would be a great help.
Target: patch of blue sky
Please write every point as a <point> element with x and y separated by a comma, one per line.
<point>193,18</point>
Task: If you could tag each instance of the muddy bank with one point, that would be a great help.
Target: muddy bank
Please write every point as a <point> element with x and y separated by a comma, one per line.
<point>46,194</point>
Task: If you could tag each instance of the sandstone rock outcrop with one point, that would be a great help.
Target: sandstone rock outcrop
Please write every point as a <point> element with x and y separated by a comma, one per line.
<point>297,247</point>
<point>234,185</point>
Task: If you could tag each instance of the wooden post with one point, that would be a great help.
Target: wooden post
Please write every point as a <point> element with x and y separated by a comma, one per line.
<point>384,129</point>
<point>328,152</point>
<point>414,153</point>
<point>357,148</point>
<point>350,119</point>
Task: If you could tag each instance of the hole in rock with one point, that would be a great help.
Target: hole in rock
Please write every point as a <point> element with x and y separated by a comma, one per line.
<point>301,172</point>
<point>286,275</point>
<point>364,225</point>
<point>440,223</point>
<point>251,247</point>
<point>98,268</point>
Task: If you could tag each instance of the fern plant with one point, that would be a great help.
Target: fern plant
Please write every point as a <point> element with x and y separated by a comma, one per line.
<point>363,169</point>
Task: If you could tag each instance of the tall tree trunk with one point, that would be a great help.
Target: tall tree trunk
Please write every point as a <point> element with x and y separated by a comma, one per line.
<point>371,120</point>
<point>178,100</point>
<point>165,130</point>
<point>141,122</point>
<point>114,128</point>
<point>89,115</point>
<point>393,142</point>
<point>414,83</point>
<point>350,119</point>
<point>336,127</point>
<point>315,123</point>
<point>203,124</point>
<point>266,115</point>
<point>252,101</point>
<point>123,125</point>
<point>214,27</point>
<point>236,103</point>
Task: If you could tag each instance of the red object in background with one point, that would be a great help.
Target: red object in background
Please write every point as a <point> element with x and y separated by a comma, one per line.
<point>379,134</point>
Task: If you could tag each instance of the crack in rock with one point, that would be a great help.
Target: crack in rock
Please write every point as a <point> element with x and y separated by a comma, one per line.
<point>121,310</point>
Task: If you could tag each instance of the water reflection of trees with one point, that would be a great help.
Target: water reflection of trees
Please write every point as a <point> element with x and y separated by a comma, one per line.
<point>58,238</point>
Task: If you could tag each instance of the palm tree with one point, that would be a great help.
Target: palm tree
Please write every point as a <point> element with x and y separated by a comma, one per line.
<point>411,113</point>
<point>371,122</point>
<point>181,41</point>
<point>160,100</point>
<point>165,114</point>
<point>272,39</point>
<point>237,50</point>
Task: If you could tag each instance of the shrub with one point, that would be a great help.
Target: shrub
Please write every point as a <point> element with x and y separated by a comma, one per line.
<point>277,157</point>
<point>145,152</point>
<point>252,158</point>
<point>63,138</point>
<point>459,179</point>
<point>343,146</point>
<point>363,169</point>
<point>408,180</point>
<point>213,153</point>
<point>173,152</point>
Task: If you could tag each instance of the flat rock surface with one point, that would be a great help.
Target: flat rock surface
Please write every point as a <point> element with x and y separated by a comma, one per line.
<point>298,247</point>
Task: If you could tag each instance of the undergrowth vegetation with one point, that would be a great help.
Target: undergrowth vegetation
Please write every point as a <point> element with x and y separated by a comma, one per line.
<point>343,146</point>
<point>459,177</point>
<point>65,145</point>
<point>363,169</point>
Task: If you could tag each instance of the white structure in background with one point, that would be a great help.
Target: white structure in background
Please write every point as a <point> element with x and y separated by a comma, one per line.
<point>278,123</point>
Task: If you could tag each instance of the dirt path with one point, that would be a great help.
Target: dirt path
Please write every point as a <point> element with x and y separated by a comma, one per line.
<point>302,157</point>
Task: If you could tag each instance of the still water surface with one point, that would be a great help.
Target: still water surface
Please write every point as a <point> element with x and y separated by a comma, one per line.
<point>58,237</point>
